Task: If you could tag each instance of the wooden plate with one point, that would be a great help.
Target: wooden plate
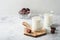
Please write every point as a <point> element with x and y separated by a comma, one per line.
<point>36,34</point>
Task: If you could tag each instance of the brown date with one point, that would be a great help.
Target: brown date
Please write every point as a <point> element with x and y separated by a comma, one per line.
<point>28,30</point>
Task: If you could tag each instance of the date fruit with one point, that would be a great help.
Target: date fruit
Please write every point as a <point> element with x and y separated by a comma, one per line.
<point>28,30</point>
<point>53,30</point>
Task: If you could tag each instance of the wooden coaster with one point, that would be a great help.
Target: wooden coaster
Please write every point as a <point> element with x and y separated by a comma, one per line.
<point>36,34</point>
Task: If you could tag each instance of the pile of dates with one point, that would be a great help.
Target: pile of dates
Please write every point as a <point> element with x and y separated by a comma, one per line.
<point>24,11</point>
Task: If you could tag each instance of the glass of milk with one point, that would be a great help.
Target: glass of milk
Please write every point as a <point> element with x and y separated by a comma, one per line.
<point>48,20</point>
<point>36,23</point>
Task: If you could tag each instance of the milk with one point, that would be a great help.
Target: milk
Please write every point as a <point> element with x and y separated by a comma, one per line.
<point>36,23</point>
<point>47,20</point>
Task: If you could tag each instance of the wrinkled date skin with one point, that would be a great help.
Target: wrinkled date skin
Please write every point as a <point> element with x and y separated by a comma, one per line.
<point>53,30</point>
<point>28,30</point>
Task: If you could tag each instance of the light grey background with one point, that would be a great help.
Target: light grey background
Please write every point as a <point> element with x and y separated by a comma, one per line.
<point>11,7</point>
